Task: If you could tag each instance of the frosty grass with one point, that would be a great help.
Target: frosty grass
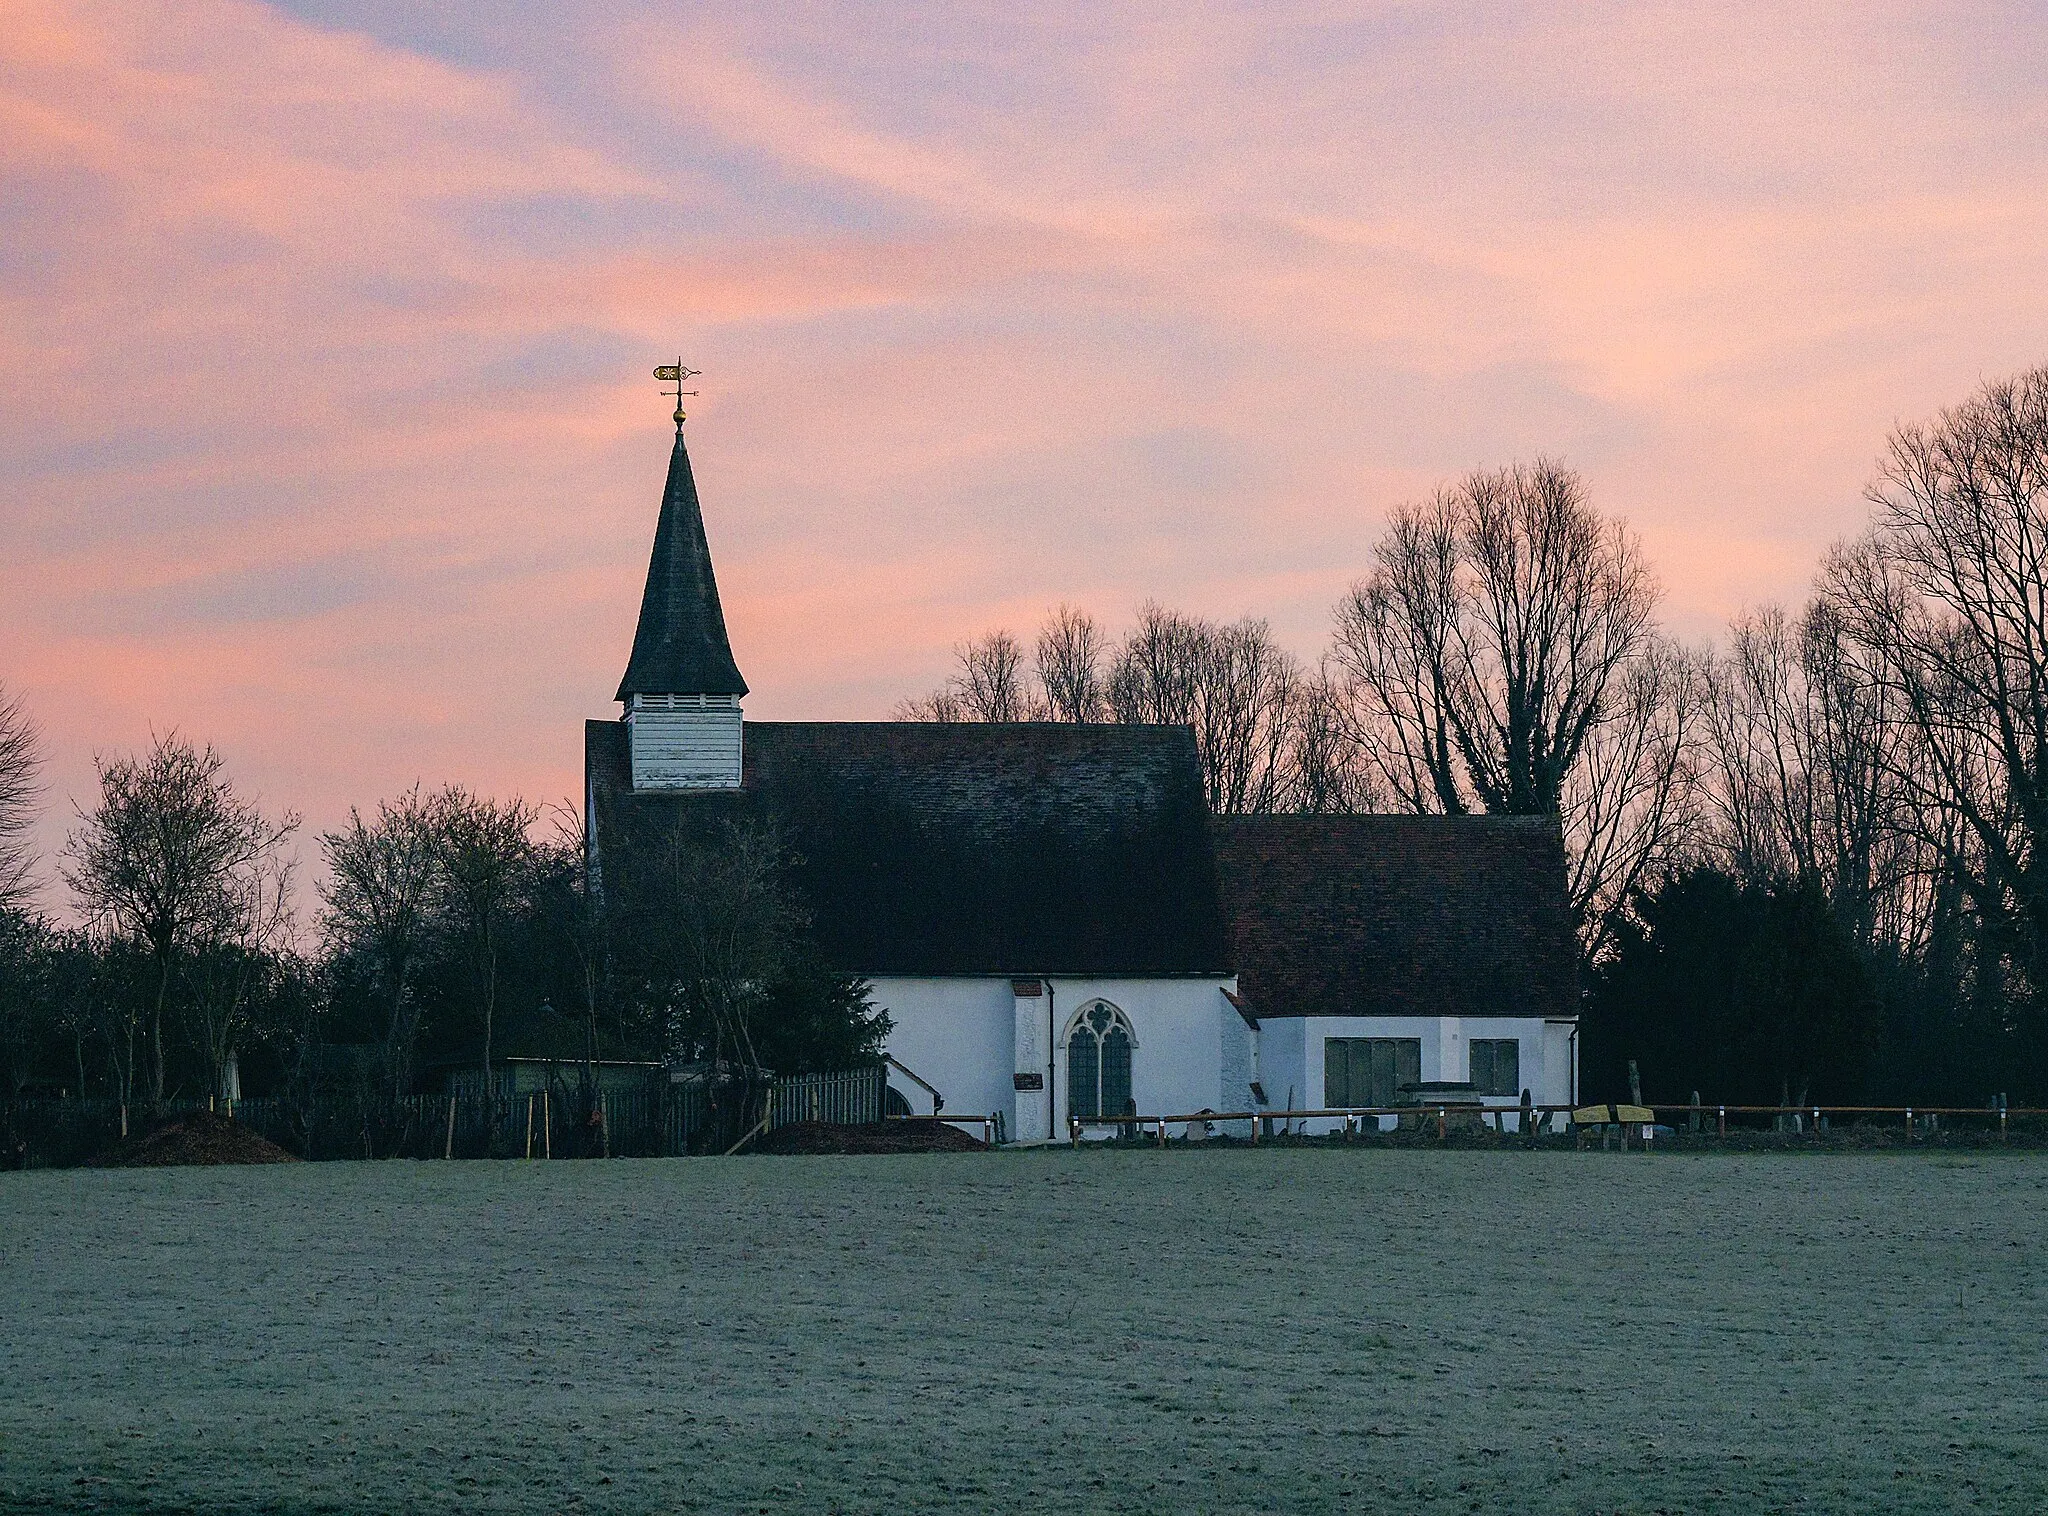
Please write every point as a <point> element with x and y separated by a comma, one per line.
<point>1296,1331</point>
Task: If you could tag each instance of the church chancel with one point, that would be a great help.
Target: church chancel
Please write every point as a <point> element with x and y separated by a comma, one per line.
<point>1057,925</point>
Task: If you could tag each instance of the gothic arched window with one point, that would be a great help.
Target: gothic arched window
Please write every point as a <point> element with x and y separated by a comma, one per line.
<point>1099,1047</point>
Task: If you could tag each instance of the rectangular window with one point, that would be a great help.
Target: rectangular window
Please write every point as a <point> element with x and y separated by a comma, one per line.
<point>1369,1071</point>
<point>1497,1065</point>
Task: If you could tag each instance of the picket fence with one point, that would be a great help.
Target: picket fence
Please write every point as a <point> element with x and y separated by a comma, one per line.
<point>659,1120</point>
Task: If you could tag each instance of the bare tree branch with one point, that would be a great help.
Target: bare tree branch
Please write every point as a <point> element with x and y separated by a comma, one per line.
<point>1070,657</point>
<point>21,763</point>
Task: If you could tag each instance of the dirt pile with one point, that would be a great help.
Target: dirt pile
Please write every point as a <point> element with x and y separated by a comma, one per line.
<point>200,1138</point>
<point>874,1137</point>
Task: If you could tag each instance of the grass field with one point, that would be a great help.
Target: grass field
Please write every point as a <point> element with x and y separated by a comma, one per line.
<point>1296,1331</point>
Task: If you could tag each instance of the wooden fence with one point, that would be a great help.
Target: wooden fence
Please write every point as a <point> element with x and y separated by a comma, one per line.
<point>1699,1118</point>
<point>659,1120</point>
<point>853,1098</point>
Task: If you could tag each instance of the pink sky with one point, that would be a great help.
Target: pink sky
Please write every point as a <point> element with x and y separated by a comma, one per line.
<point>327,431</point>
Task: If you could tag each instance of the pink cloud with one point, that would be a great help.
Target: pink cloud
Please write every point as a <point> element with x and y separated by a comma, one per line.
<point>323,408</point>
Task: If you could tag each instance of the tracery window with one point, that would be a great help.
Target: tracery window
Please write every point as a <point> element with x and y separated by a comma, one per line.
<point>1099,1047</point>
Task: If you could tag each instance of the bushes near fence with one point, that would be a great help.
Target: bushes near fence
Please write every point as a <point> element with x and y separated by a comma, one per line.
<point>660,1120</point>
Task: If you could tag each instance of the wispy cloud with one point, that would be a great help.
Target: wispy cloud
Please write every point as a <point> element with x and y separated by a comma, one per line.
<point>324,428</point>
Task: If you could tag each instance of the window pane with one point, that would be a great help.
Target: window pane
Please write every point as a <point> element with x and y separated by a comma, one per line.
<point>1336,1071</point>
<point>1084,1091</point>
<point>1381,1053</point>
<point>1497,1066</point>
<point>1407,1061</point>
<point>1116,1072</point>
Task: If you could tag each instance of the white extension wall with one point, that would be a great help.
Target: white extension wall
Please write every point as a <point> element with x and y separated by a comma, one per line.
<point>1291,1054</point>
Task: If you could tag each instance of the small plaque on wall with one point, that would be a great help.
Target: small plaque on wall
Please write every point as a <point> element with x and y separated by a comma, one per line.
<point>1029,1082</point>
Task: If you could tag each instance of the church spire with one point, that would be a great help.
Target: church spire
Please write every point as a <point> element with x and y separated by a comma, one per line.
<point>680,646</point>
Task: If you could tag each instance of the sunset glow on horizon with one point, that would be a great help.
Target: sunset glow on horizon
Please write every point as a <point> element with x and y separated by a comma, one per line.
<point>326,330</point>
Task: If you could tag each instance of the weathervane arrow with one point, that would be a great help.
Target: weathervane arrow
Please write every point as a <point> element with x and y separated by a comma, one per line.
<point>675,373</point>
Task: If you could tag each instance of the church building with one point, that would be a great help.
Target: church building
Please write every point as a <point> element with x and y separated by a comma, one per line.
<point>1059,928</point>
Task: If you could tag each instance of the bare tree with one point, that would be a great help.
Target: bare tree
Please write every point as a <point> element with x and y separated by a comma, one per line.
<point>27,998</point>
<point>485,855</point>
<point>382,896</point>
<point>20,788</point>
<point>1489,636</point>
<point>712,927</point>
<point>1808,755</point>
<point>941,705</point>
<point>1502,657</point>
<point>164,858</point>
<point>232,975</point>
<point>1327,773</point>
<point>1231,684</point>
<point>1070,657</point>
<point>1156,674</point>
<point>1246,691</point>
<point>992,684</point>
<point>581,925</point>
<point>989,684</point>
<point>1632,802</point>
<point>1396,638</point>
<point>1943,606</point>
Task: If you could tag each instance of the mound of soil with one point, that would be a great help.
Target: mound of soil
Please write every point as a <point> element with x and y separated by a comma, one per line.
<point>874,1137</point>
<point>199,1138</point>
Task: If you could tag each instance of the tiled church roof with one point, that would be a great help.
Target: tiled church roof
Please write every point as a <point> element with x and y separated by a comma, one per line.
<point>1398,915</point>
<point>964,848</point>
<point>680,645</point>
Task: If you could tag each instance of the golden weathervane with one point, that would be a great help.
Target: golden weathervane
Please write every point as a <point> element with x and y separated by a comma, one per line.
<point>676,373</point>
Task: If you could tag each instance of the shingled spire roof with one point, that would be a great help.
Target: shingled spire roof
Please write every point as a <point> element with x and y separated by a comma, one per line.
<point>680,647</point>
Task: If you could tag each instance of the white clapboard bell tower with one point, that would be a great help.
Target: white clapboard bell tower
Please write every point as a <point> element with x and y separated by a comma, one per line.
<point>682,689</point>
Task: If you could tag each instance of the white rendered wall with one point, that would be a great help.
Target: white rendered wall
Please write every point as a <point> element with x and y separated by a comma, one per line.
<point>954,1033</point>
<point>1291,1054</point>
<point>1178,1058</point>
<point>1240,1066</point>
<point>963,1035</point>
<point>679,746</point>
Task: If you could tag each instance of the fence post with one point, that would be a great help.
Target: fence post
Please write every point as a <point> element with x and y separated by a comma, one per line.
<point>547,1126</point>
<point>1909,1123</point>
<point>529,1124</point>
<point>1816,1123</point>
<point>1443,1125</point>
<point>1724,1121</point>
<point>449,1150</point>
<point>2001,1118</point>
